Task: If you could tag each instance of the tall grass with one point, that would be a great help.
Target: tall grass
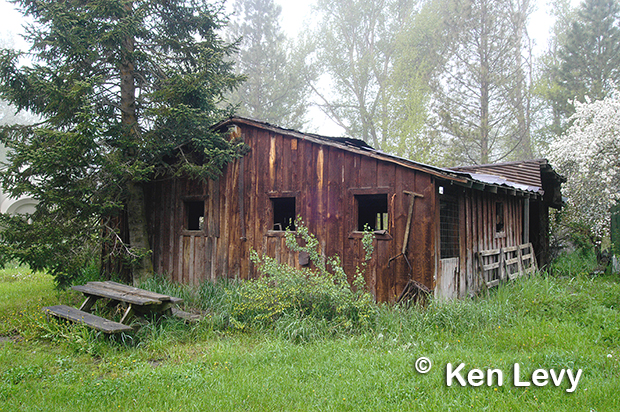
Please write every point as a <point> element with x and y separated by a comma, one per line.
<point>298,363</point>
<point>581,261</point>
<point>305,306</point>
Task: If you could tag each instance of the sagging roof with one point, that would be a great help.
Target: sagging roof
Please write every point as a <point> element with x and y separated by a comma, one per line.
<point>478,179</point>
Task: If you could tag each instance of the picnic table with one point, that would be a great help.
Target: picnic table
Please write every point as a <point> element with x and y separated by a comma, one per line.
<point>137,303</point>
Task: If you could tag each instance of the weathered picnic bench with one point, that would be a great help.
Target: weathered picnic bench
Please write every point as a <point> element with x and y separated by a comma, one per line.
<point>138,303</point>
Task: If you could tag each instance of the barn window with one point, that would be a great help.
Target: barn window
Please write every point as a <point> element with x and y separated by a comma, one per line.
<point>449,227</point>
<point>283,213</point>
<point>194,215</point>
<point>499,217</point>
<point>372,211</point>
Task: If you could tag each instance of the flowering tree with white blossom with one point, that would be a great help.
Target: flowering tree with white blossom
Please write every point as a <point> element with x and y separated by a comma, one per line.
<point>588,154</point>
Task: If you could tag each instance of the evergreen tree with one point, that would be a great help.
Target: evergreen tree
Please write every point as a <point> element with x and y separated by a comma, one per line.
<point>587,59</point>
<point>9,115</point>
<point>275,89</point>
<point>128,89</point>
<point>520,95</point>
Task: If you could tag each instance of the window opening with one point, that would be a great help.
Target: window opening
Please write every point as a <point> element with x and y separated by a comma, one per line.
<point>449,227</point>
<point>372,210</point>
<point>283,213</point>
<point>499,217</point>
<point>195,215</point>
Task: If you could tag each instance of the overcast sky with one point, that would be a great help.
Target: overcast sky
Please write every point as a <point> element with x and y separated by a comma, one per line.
<point>294,13</point>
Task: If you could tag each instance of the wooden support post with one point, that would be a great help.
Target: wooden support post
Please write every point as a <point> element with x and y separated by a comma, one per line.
<point>481,278</point>
<point>128,314</point>
<point>526,220</point>
<point>409,218</point>
<point>534,263</point>
<point>89,303</point>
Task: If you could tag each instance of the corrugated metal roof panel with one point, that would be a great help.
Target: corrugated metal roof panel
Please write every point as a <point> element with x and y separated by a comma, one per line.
<point>525,172</point>
<point>500,181</point>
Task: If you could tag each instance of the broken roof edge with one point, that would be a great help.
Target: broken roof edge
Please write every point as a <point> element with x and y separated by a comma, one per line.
<point>349,144</point>
<point>463,178</point>
<point>499,181</point>
<point>513,162</point>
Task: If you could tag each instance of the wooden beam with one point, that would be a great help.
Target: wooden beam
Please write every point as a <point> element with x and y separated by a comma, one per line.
<point>409,217</point>
<point>468,184</point>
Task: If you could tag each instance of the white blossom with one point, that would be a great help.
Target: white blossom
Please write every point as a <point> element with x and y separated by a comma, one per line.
<point>588,154</point>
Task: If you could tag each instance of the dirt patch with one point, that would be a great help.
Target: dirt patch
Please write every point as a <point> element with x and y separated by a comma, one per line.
<point>155,362</point>
<point>10,338</point>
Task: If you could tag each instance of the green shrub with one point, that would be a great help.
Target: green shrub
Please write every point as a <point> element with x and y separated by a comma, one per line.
<point>290,299</point>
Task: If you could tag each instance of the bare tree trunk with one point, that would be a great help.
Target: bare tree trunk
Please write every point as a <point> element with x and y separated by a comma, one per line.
<point>136,208</point>
<point>524,144</point>
<point>138,234</point>
<point>484,86</point>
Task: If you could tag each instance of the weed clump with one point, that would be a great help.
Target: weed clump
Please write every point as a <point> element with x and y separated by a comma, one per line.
<point>302,303</point>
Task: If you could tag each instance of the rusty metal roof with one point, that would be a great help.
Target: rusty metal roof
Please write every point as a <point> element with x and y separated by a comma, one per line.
<point>525,172</point>
<point>536,173</point>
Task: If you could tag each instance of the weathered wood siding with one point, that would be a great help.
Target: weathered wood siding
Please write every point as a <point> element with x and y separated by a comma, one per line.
<point>324,181</point>
<point>478,225</point>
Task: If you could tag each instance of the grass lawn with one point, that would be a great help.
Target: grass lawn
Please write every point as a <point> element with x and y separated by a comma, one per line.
<point>539,323</point>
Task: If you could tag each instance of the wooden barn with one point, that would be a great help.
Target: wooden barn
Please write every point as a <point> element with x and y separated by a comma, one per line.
<point>431,225</point>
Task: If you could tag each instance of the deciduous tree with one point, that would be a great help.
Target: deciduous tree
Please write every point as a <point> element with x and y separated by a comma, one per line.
<point>588,154</point>
<point>355,50</point>
<point>420,50</point>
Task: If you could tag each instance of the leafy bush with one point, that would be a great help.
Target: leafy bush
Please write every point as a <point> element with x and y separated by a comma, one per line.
<point>286,297</point>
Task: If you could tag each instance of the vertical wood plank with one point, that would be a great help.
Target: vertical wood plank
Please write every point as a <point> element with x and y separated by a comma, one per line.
<point>470,286</point>
<point>308,185</point>
<point>214,269</point>
<point>463,236</point>
<point>272,162</point>
<point>334,215</point>
<point>349,245</point>
<point>199,260</point>
<point>208,256</point>
<point>190,256</point>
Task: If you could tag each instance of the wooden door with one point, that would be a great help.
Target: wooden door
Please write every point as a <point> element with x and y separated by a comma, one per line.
<point>448,283</point>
